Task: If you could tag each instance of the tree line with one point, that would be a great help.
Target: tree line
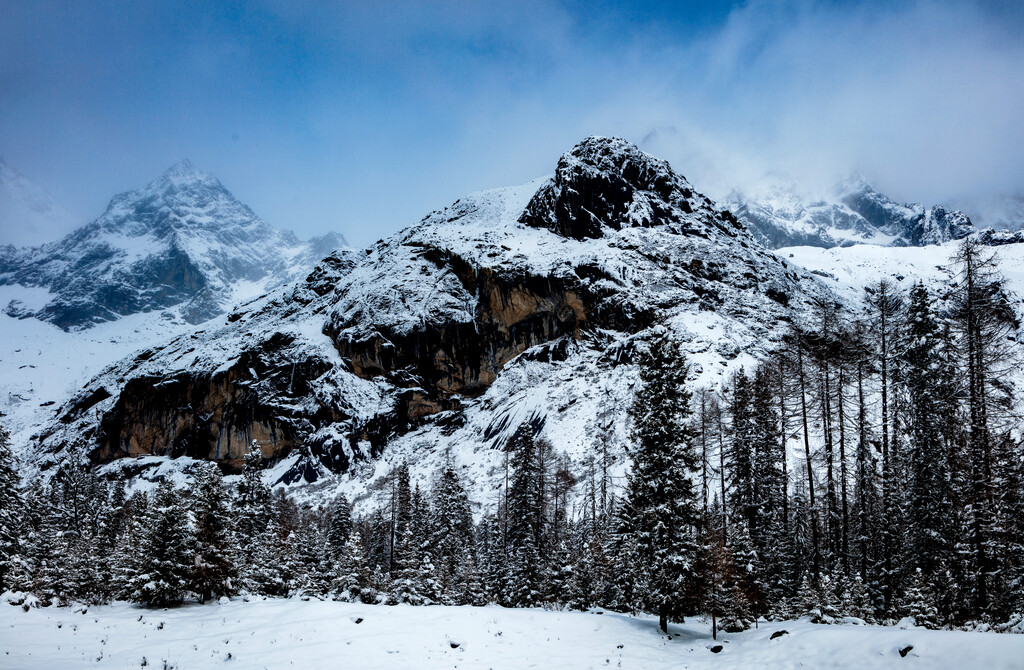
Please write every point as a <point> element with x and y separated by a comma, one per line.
<point>872,468</point>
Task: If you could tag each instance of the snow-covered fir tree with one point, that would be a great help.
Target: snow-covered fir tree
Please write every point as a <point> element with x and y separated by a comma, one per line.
<point>213,570</point>
<point>660,496</point>
<point>166,562</point>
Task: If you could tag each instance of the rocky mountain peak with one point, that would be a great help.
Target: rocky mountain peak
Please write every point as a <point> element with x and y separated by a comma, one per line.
<point>609,183</point>
<point>183,241</point>
<point>185,175</point>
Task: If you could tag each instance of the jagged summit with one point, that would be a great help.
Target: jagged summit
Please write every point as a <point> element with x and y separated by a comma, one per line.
<point>183,196</point>
<point>609,183</point>
<point>184,169</point>
<point>852,212</point>
<point>183,176</point>
<point>183,241</point>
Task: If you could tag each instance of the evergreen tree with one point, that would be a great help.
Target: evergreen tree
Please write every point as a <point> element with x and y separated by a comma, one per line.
<point>660,496</point>
<point>450,528</point>
<point>165,563</point>
<point>11,510</point>
<point>919,602</point>
<point>340,524</point>
<point>352,580</point>
<point>525,519</point>
<point>929,381</point>
<point>254,506</point>
<point>266,571</point>
<point>213,568</point>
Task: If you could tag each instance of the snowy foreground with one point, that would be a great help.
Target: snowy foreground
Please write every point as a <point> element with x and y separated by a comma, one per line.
<point>313,634</point>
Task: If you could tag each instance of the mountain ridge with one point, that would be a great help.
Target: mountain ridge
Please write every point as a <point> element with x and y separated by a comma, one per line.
<point>182,243</point>
<point>454,331</point>
<point>853,212</point>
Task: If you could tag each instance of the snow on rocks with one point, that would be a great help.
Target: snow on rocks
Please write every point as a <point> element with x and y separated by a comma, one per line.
<point>183,243</point>
<point>498,309</point>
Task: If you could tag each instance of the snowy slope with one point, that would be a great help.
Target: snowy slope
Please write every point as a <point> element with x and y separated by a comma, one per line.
<point>848,270</point>
<point>314,634</point>
<point>853,212</point>
<point>41,366</point>
<point>183,243</point>
<point>28,214</point>
<point>516,304</point>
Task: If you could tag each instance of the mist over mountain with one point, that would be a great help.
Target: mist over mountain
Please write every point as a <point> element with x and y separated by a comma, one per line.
<point>780,214</point>
<point>28,215</point>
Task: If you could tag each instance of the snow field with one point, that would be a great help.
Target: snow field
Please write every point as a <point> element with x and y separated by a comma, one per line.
<point>312,634</point>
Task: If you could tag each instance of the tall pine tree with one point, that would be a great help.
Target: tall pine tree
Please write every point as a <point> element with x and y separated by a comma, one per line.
<point>660,495</point>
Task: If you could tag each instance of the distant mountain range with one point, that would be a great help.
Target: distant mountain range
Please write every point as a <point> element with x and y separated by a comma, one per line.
<point>852,213</point>
<point>512,305</point>
<point>183,245</point>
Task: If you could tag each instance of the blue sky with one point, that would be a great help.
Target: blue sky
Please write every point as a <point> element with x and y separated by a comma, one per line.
<point>362,117</point>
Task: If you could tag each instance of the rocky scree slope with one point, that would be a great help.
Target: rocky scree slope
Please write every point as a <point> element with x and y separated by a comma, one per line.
<point>182,242</point>
<point>854,212</point>
<point>507,306</point>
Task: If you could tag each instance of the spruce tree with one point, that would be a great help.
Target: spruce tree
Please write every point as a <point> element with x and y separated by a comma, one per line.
<point>929,381</point>
<point>450,536</point>
<point>11,510</point>
<point>525,519</point>
<point>266,571</point>
<point>340,524</point>
<point>165,564</point>
<point>352,580</point>
<point>213,569</point>
<point>660,496</point>
<point>254,505</point>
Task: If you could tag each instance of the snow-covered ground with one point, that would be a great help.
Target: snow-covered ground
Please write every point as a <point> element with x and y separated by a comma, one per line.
<point>314,634</point>
<point>848,270</point>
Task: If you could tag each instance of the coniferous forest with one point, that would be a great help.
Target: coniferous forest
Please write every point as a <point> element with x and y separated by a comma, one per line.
<point>871,468</point>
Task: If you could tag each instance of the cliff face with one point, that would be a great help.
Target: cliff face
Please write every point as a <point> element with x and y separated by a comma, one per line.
<point>435,333</point>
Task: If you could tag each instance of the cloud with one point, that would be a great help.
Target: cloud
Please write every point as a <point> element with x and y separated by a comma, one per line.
<point>926,98</point>
<point>361,117</point>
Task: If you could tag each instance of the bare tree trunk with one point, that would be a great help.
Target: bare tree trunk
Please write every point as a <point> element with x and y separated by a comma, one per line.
<point>843,473</point>
<point>807,454</point>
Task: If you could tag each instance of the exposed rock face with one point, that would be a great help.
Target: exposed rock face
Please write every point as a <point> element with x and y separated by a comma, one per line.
<point>853,213</point>
<point>608,183</point>
<point>412,335</point>
<point>181,242</point>
<point>214,416</point>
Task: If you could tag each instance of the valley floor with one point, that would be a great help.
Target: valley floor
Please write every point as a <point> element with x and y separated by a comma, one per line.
<point>313,634</point>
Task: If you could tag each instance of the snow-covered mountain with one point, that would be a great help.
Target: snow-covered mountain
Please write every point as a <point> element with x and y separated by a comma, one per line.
<point>512,305</point>
<point>28,214</point>
<point>182,244</point>
<point>780,215</point>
